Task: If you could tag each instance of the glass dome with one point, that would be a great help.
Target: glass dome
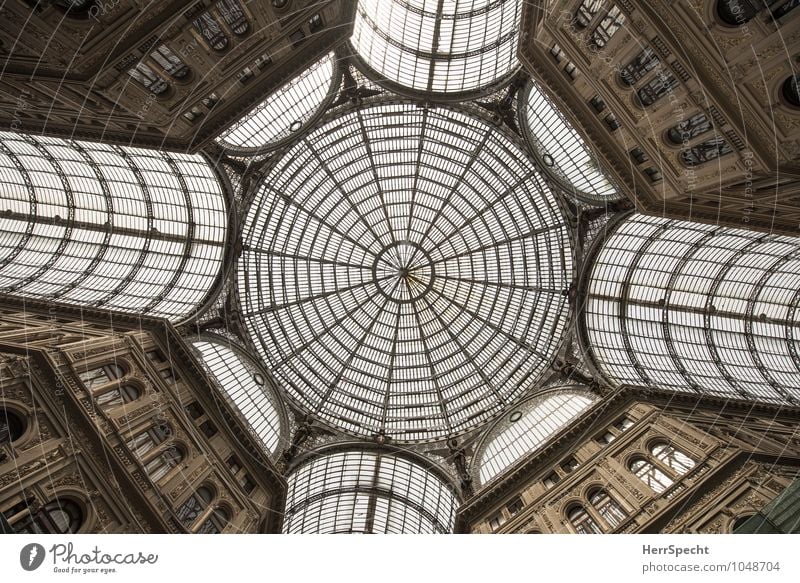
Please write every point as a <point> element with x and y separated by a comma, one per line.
<point>433,46</point>
<point>405,272</point>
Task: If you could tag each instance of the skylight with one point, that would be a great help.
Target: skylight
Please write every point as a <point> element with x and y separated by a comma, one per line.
<point>405,272</point>
<point>445,47</point>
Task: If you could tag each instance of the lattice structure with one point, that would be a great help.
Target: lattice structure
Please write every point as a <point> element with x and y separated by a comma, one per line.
<point>405,272</point>
<point>246,388</point>
<point>134,230</point>
<point>367,492</point>
<point>698,308</point>
<point>285,112</point>
<point>562,149</point>
<point>528,428</point>
<point>445,47</point>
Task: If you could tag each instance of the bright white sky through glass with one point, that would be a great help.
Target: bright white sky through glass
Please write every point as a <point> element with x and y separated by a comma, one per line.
<point>285,111</point>
<point>118,228</point>
<point>541,418</point>
<point>697,308</point>
<point>405,271</point>
<point>428,45</point>
<point>563,148</point>
<point>237,379</point>
<point>367,492</point>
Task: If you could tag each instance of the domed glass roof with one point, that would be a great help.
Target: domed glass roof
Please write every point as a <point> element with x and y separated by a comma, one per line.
<point>404,272</point>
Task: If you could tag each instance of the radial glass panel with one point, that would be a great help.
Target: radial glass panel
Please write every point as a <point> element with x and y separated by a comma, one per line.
<point>103,226</point>
<point>285,111</point>
<point>241,382</point>
<point>367,492</point>
<point>445,47</point>
<point>541,418</point>
<point>405,271</point>
<point>697,308</point>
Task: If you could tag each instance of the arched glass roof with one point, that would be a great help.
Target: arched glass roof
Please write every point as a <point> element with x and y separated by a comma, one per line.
<point>563,150</point>
<point>367,492</point>
<point>246,388</point>
<point>431,45</point>
<point>96,225</point>
<point>405,271</point>
<point>285,112</point>
<point>697,308</point>
<point>530,426</point>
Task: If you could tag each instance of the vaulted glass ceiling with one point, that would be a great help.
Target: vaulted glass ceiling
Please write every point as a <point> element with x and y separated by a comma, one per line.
<point>405,271</point>
<point>697,308</point>
<point>367,492</point>
<point>431,45</point>
<point>140,231</point>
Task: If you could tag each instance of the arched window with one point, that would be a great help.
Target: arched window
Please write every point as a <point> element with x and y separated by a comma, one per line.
<point>116,396</point>
<point>705,152</point>
<point>156,454</point>
<point>97,377</point>
<point>608,508</point>
<point>791,90</point>
<point>689,129</point>
<point>62,516</point>
<point>607,27</point>
<point>211,32</point>
<point>146,441</point>
<point>586,12</point>
<point>582,521</point>
<point>149,79</point>
<point>161,464</point>
<point>674,459</point>
<point>657,480</point>
<point>234,16</point>
<point>170,62</point>
<point>640,66</point>
<point>12,426</point>
<point>656,88</point>
<point>215,523</point>
<point>195,505</point>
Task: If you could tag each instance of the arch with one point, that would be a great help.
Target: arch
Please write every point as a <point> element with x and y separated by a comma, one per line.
<point>678,305</point>
<point>581,520</point>
<point>115,396</point>
<point>540,418</point>
<point>562,149</point>
<point>606,506</point>
<point>88,224</point>
<point>241,381</point>
<point>284,113</point>
<point>791,90</point>
<point>62,515</point>
<point>195,505</point>
<point>650,474</point>
<point>367,491</point>
<point>12,425</point>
